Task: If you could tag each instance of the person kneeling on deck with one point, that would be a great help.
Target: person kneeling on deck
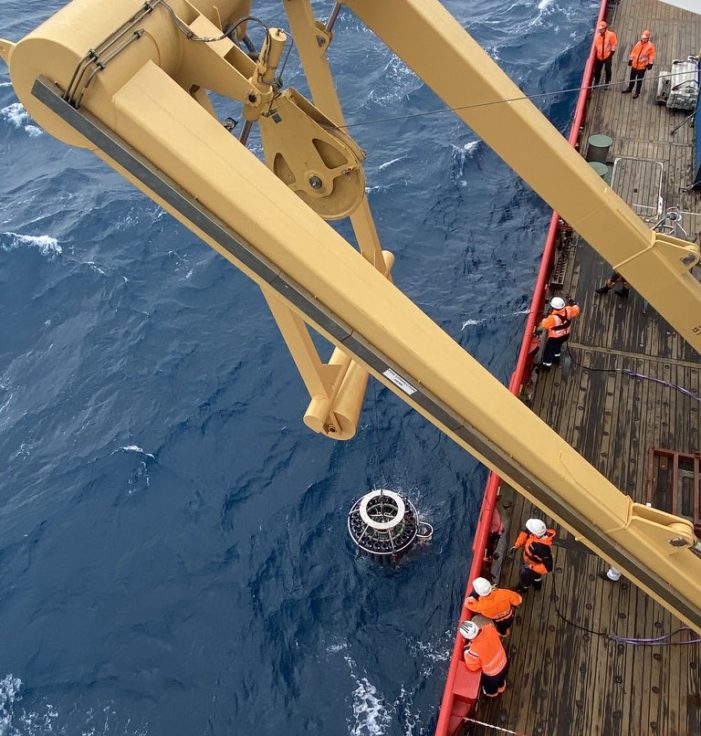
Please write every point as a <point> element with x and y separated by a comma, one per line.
<point>558,323</point>
<point>496,604</point>
<point>537,561</point>
<point>484,651</point>
<point>611,281</point>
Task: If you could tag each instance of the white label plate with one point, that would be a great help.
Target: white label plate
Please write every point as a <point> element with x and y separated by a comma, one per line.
<point>398,381</point>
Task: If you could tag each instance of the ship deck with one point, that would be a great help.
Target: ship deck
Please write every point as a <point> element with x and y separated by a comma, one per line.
<point>565,680</point>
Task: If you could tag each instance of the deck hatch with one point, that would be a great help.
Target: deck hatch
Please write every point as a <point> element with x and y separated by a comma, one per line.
<point>639,182</point>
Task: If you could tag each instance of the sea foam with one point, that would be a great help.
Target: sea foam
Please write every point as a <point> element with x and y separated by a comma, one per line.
<point>18,116</point>
<point>46,244</point>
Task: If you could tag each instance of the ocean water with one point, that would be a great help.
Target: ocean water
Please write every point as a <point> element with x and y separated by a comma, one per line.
<point>173,549</point>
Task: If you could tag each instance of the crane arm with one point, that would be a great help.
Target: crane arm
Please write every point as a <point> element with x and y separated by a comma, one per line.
<point>139,119</point>
<point>432,43</point>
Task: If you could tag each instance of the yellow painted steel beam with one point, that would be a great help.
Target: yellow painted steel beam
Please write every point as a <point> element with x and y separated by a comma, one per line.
<point>464,76</point>
<point>337,388</point>
<point>143,123</point>
<point>312,43</point>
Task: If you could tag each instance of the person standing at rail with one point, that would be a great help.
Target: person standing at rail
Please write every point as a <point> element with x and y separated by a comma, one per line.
<point>493,603</point>
<point>558,324</point>
<point>537,541</point>
<point>605,43</point>
<point>484,651</point>
<point>642,57</point>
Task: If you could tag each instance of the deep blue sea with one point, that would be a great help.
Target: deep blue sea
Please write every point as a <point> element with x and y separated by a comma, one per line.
<point>173,550</point>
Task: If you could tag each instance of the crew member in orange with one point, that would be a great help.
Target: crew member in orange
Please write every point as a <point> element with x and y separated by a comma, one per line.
<point>642,57</point>
<point>484,651</point>
<point>496,604</point>
<point>558,323</point>
<point>605,43</point>
<point>536,540</point>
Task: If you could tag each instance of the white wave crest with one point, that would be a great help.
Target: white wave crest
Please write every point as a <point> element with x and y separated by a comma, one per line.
<point>136,448</point>
<point>9,693</point>
<point>94,267</point>
<point>370,714</point>
<point>17,116</point>
<point>18,721</point>
<point>47,245</point>
<point>471,323</point>
<point>389,163</point>
<point>338,647</point>
<point>5,84</point>
<point>545,4</point>
<point>461,154</point>
<point>398,81</point>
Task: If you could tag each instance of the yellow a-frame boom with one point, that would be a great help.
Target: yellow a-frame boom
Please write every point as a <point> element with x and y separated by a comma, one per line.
<point>128,80</point>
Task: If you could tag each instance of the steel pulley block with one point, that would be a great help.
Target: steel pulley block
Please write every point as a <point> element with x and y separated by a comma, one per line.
<point>312,156</point>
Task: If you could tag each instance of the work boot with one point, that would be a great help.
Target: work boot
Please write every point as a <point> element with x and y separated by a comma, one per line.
<point>622,292</point>
<point>627,90</point>
<point>603,289</point>
<point>636,95</point>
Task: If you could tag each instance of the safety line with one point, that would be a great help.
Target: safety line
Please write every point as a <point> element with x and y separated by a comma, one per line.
<point>496,728</point>
<point>192,36</point>
<point>476,105</point>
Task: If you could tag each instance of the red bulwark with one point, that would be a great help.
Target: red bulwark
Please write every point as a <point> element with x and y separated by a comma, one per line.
<point>462,687</point>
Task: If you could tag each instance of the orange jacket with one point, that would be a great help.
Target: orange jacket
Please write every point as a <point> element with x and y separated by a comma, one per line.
<point>642,55</point>
<point>497,605</point>
<point>559,322</point>
<point>537,554</point>
<point>605,44</point>
<point>485,652</point>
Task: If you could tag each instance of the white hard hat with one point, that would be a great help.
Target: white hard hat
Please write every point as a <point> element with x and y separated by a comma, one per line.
<point>557,302</point>
<point>469,630</point>
<point>537,527</point>
<point>482,586</point>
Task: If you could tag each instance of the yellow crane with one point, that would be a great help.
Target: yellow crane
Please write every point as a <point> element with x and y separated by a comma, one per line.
<point>130,81</point>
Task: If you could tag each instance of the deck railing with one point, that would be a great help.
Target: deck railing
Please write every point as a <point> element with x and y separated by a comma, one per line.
<point>462,687</point>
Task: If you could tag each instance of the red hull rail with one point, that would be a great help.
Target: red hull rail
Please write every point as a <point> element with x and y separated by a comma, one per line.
<point>462,687</point>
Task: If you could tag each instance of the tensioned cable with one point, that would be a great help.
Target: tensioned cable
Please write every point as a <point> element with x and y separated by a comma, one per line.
<point>192,36</point>
<point>476,105</point>
<point>376,433</point>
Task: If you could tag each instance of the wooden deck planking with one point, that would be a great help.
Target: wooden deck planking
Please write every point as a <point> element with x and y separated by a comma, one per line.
<point>563,680</point>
